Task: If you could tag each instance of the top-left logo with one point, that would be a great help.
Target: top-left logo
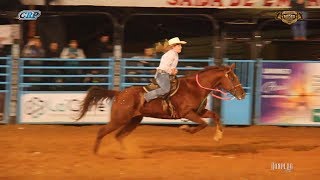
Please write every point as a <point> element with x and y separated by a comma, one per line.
<point>29,15</point>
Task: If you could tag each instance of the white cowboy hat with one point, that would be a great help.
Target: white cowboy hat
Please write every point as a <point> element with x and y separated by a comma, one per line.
<point>176,40</point>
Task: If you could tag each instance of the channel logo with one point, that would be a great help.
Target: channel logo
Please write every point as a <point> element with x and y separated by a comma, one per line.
<point>29,15</point>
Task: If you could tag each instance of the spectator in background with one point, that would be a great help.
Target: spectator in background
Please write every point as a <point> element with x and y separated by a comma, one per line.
<point>101,48</point>
<point>73,52</point>
<point>104,47</point>
<point>33,49</point>
<point>299,29</point>
<point>53,52</point>
<point>149,53</point>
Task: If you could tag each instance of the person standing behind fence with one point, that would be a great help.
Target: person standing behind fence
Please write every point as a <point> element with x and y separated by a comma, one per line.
<point>73,52</point>
<point>33,49</point>
<point>54,52</point>
<point>104,47</point>
<point>148,54</point>
<point>167,67</point>
<point>299,29</point>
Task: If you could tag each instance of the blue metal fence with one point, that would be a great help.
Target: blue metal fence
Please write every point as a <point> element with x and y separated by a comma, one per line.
<point>64,76</point>
<point>138,71</point>
<point>236,112</point>
<point>5,88</point>
<point>40,73</point>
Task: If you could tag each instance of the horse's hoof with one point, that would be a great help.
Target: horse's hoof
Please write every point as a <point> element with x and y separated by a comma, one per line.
<point>184,127</point>
<point>218,136</point>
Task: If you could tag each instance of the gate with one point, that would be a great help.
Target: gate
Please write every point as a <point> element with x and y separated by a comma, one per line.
<point>236,112</point>
<point>5,88</point>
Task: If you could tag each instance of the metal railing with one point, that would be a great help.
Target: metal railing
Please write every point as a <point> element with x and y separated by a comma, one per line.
<point>39,74</point>
<point>139,71</point>
<point>5,88</point>
<point>51,88</point>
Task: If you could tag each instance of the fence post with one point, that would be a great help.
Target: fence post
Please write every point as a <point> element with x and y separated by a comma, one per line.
<point>15,51</point>
<point>117,51</point>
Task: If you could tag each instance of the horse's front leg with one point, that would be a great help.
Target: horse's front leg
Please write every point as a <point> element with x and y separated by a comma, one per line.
<point>192,116</point>
<point>209,114</point>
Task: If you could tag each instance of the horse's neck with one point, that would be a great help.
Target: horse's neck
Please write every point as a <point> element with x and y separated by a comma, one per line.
<point>205,79</point>
<point>209,79</point>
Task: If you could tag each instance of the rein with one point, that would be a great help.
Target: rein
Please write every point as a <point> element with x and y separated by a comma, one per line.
<point>210,89</point>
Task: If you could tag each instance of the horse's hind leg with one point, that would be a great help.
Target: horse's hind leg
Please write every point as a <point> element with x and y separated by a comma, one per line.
<point>128,128</point>
<point>209,114</point>
<point>197,119</point>
<point>103,132</point>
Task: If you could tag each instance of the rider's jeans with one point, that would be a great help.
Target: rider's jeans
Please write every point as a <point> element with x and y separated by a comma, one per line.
<point>163,81</point>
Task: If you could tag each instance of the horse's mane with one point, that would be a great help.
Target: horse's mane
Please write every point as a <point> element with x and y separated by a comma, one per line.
<point>217,68</point>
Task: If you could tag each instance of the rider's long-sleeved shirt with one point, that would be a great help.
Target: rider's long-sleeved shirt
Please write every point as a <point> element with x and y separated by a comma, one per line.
<point>169,61</point>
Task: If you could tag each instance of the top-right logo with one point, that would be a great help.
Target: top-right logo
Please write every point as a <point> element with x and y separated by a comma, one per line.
<point>289,17</point>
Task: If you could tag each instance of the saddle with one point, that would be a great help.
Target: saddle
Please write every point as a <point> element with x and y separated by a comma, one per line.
<point>166,103</point>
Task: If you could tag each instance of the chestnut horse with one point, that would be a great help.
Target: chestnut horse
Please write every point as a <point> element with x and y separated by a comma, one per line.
<point>128,106</point>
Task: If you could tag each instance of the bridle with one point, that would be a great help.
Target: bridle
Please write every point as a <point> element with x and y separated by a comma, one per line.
<point>232,90</point>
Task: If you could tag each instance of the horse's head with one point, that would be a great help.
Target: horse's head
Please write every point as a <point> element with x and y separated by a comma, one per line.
<point>230,82</point>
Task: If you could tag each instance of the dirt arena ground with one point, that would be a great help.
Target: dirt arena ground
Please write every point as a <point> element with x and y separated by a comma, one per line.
<point>159,152</point>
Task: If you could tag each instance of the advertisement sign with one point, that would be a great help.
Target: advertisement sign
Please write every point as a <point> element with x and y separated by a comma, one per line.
<point>59,107</point>
<point>178,3</point>
<point>290,93</point>
<point>64,108</point>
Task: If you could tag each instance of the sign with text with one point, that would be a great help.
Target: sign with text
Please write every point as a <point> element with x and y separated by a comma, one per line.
<point>290,93</point>
<point>64,108</point>
<point>179,3</point>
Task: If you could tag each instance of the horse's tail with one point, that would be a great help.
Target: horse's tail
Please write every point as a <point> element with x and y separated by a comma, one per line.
<point>94,96</point>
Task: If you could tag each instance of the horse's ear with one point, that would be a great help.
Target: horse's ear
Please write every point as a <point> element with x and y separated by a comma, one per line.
<point>233,65</point>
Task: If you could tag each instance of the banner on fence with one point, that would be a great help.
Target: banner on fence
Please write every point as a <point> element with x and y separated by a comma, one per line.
<point>290,93</point>
<point>59,107</point>
<point>64,108</point>
<point>178,3</point>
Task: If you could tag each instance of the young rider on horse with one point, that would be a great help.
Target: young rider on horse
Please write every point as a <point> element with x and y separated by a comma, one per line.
<point>167,67</point>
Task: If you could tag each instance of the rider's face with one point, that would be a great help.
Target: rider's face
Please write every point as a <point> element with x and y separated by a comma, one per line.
<point>177,48</point>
